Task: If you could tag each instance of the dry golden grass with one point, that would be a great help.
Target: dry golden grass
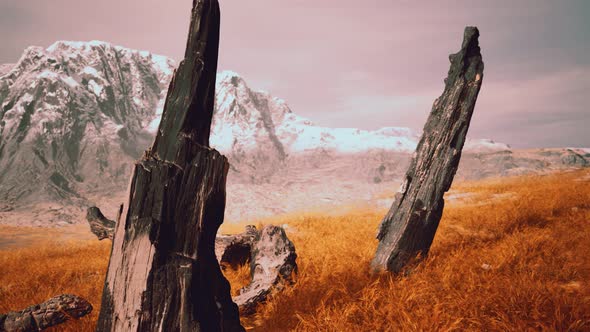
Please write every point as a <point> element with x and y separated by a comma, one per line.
<point>35,274</point>
<point>499,262</point>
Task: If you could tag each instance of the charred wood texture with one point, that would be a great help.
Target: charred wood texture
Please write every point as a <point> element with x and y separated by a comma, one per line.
<point>100,225</point>
<point>163,274</point>
<point>271,256</point>
<point>408,229</point>
<point>39,317</point>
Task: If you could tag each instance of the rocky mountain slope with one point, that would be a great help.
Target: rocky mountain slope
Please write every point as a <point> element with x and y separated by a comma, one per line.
<point>72,117</point>
<point>75,116</point>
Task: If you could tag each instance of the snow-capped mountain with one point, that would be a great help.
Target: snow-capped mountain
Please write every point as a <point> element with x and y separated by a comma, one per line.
<point>74,115</point>
<point>259,132</point>
<point>246,119</point>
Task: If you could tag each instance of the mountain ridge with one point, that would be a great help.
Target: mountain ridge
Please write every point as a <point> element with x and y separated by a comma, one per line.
<point>75,116</point>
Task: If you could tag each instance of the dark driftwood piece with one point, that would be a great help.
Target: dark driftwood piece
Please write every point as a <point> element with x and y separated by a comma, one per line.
<point>409,227</point>
<point>100,225</point>
<point>163,274</point>
<point>38,317</point>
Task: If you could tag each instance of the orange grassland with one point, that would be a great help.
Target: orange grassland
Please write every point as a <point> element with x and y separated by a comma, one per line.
<point>512,254</point>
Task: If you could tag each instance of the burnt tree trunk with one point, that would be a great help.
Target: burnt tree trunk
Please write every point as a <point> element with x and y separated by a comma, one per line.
<point>163,274</point>
<point>409,227</point>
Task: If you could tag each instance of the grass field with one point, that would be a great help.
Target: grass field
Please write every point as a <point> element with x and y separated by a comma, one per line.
<point>511,254</point>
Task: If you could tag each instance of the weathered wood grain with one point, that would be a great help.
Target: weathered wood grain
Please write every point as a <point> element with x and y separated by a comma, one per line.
<point>409,227</point>
<point>269,252</point>
<point>163,274</point>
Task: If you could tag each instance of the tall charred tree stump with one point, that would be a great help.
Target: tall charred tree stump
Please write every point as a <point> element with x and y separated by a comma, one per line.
<point>163,274</point>
<point>409,227</point>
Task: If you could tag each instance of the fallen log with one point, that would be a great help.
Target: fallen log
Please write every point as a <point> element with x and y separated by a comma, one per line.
<point>272,265</point>
<point>236,250</point>
<point>163,274</point>
<point>39,317</point>
<point>271,256</point>
<point>100,225</point>
<point>409,227</point>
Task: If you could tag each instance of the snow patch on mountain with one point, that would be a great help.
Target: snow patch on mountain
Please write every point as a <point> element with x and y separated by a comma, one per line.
<point>245,119</point>
<point>484,145</point>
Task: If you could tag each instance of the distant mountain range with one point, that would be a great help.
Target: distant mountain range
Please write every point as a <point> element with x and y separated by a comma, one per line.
<point>75,116</point>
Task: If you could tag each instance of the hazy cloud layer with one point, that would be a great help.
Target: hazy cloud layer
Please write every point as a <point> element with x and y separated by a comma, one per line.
<point>361,63</point>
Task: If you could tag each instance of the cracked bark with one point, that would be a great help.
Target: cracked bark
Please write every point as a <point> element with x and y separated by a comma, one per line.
<point>409,227</point>
<point>163,273</point>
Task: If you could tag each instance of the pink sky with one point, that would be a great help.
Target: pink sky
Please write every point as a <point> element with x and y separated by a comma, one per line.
<point>364,64</point>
